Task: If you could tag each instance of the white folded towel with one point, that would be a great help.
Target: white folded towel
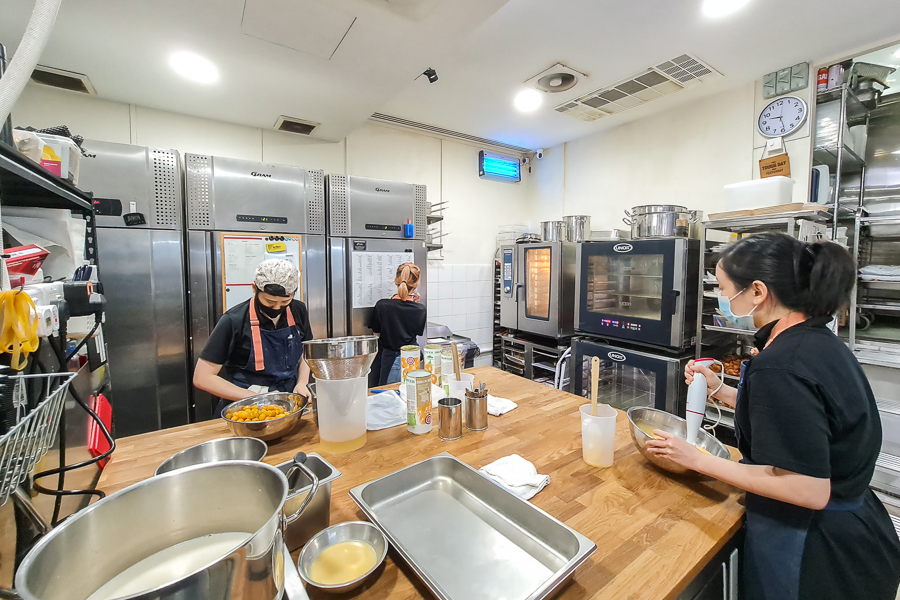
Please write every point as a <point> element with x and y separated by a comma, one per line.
<point>499,406</point>
<point>384,410</point>
<point>517,475</point>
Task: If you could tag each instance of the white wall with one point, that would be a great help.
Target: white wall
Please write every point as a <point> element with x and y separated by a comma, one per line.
<point>474,208</point>
<point>683,156</point>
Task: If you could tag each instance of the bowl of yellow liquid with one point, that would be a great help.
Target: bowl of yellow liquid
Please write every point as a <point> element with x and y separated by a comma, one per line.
<point>645,420</point>
<point>341,557</point>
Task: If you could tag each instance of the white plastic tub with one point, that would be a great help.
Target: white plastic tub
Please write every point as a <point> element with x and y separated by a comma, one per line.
<point>759,193</point>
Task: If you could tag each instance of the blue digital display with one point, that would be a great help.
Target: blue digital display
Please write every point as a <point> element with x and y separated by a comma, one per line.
<point>499,168</point>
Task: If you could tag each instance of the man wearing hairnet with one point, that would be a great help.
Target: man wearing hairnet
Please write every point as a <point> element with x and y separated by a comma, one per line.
<point>257,346</point>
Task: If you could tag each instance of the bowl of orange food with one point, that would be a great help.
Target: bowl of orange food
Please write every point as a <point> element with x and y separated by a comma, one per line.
<point>266,416</point>
<point>645,420</point>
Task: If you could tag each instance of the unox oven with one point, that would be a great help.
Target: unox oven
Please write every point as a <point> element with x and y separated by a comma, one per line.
<point>644,291</point>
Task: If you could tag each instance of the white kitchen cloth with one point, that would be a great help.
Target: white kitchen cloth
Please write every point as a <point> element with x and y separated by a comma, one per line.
<point>888,270</point>
<point>517,475</point>
<point>385,410</point>
<point>499,406</point>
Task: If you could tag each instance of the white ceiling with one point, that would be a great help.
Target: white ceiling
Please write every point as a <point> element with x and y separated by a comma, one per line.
<point>297,63</point>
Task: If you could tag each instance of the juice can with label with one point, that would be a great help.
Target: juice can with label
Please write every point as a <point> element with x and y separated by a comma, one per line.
<point>433,362</point>
<point>418,401</point>
<point>409,360</point>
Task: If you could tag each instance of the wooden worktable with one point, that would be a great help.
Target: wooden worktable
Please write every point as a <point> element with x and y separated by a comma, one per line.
<point>654,532</point>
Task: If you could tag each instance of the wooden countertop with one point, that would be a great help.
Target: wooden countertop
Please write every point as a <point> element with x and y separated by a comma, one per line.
<point>654,532</point>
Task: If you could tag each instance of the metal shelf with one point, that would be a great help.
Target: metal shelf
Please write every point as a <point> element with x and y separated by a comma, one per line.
<point>430,247</point>
<point>433,218</point>
<point>893,306</point>
<point>828,155</point>
<point>26,183</point>
<point>729,330</point>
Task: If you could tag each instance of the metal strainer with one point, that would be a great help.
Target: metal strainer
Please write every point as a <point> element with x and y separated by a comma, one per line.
<point>341,358</point>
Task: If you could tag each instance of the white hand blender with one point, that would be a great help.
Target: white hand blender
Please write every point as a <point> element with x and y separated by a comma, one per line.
<point>696,400</point>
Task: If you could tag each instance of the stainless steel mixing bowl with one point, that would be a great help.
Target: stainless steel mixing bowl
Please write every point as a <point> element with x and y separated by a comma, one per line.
<point>235,448</point>
<point>341,358</point>
<point>351,531</point>
<point>652,418</point>
<point>294,404</point>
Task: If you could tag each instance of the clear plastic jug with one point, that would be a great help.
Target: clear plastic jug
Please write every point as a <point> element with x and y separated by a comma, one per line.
<point>341,405</point>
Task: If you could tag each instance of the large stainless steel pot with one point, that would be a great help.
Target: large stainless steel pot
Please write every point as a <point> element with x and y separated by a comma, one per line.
<point>578,228</point>
<point>661,221</point>
<point>553,231</point>
<point>92,547</point>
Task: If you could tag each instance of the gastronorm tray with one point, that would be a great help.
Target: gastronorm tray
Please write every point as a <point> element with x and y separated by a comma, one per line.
<point>469,538</point>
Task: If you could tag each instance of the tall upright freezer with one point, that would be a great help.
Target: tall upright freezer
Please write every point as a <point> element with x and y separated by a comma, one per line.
<point>239,214</point>
<point>138,204</point>
<point>374,226</point>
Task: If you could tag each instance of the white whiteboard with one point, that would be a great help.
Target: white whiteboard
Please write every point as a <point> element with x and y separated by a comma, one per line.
<point>241,254</point>
<point>373,276</point>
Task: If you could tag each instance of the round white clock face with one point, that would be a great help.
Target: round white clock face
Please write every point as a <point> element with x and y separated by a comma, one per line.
<point>782,117</point>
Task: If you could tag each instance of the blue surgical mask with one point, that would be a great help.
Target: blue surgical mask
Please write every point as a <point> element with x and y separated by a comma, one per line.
<point>741,322</point>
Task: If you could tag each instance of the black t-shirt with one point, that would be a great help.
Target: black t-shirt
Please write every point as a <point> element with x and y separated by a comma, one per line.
<point>398,322</point>
<point>806,406</point>
<point>231,340</point>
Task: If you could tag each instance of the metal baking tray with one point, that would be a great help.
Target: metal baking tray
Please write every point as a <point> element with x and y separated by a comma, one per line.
<point>469,538</point>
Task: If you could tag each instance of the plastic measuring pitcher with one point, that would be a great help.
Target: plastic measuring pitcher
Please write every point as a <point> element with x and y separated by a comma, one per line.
<point>341,407</point>
<point>598,435</point>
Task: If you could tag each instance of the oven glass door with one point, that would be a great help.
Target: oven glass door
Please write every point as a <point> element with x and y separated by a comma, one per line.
<point>626,290</point>
<point>626,378</point>
<point>538,282</point>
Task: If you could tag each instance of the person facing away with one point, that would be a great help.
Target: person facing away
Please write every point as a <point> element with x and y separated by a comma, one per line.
<point>397,321</point>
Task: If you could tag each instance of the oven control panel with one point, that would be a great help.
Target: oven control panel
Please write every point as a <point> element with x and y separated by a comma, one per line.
<point>620,324</point>
<point>507,271</point>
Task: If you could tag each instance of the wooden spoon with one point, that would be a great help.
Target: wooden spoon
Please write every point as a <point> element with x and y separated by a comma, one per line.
<point>595,383</point>
<point>456,365</point>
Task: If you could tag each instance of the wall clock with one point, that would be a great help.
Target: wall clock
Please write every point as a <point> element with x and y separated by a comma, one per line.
<point>782,117</point>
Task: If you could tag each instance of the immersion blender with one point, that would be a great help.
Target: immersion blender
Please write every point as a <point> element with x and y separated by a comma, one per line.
<point>696,400</point>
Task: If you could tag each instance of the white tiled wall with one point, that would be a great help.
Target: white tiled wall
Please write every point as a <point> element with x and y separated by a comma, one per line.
<point>461,297</point>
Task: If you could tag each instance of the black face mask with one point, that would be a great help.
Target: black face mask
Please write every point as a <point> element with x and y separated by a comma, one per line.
<point>272,313</point>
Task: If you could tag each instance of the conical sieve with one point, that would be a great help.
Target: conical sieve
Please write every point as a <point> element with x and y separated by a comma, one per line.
<point>341,358</point>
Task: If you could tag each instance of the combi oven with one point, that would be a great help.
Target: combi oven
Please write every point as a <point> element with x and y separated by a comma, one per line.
<point>629,377</point>
<point>643,291</point>
<point>537,288</point>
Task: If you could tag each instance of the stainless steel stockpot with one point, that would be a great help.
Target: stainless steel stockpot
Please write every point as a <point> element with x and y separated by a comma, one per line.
<point>95,545</point>
<point>661,221</point>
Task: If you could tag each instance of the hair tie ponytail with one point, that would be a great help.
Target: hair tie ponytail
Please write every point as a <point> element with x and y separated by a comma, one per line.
<point>406,280</point>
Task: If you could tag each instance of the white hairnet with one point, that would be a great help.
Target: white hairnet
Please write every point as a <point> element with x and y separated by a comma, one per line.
<point>276,271</point>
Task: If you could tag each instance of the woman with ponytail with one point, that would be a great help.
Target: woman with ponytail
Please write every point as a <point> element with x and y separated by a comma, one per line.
<point>398,321</point>
<point>807,426</point>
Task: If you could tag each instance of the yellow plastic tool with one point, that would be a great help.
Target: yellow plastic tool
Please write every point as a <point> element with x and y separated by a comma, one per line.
<point>18,332</point>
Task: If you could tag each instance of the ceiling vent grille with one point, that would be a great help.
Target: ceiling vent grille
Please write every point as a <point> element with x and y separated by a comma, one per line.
<point>66,80</point>
<point>292,125</point>
<point>648,85</point>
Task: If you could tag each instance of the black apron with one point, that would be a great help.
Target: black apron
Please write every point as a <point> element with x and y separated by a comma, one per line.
<point>776,539</point>
<point>274,358</point>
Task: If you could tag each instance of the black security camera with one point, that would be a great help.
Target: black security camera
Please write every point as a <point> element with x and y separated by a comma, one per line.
<point>431,74</point>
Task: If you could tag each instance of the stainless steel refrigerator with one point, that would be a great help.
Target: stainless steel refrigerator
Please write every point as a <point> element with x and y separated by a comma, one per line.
<point>368,238</point>
<point>138,203</point>
<point>239,214</point>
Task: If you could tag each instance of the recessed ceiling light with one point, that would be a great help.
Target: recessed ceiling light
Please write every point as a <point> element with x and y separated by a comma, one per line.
<point>721,8</point>
<point>194,67</point>
<point>896,152</point>
<point>528,100</point>
<point>896,53</point>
